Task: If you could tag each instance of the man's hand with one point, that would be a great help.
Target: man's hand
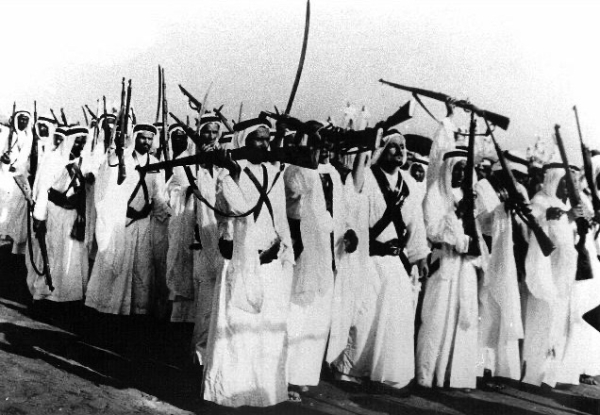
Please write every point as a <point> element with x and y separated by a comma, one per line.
<point>576,212</point>
<point>554,213</point>
<point>423,268</point>
<point>39,227</point>
<point>5,158</point>
<point>350,241</point>
<point>90,178</point>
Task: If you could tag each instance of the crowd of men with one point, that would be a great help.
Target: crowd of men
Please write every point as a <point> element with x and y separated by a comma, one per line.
<point>362,261</point>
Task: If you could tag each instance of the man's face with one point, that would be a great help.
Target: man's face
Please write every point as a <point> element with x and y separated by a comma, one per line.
<point>208,135</point>
<point>22,121</point>
<point>143,141</point>
<point>458,174</point>
<point>43,130</point>
<point>179,140</point>
<point>562,191</point>
<point>394,154</point>
<point>58,139</point>
<point>417,172</point>
<point>78,146</point>
<point>258,139</point>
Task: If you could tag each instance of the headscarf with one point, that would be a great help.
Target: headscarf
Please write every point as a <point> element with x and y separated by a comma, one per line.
<point>391,137</point>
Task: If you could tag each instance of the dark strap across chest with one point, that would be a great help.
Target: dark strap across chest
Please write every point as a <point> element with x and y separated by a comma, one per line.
<point>394,199</point>
<point>145,211</point>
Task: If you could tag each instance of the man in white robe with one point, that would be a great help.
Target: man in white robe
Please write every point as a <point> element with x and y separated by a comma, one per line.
<point>60,208</point>
<point>122,280</point>
<point>501,324</point>
<point>397,242</point>
<point>14,161</point>
<point>447,345</point>
<point>180,275</point>
<point>247,345</point>
<point>322,238</point>
<point>550,313</point>
<point>208,262</point>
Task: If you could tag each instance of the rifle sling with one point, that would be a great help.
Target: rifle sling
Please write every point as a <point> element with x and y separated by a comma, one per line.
<point>394,200</point>
<point>202,199</point>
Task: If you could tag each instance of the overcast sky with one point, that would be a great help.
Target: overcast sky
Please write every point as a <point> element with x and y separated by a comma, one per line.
<point>531,61</point>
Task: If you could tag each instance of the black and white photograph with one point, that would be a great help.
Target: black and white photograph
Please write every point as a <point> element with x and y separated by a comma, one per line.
<point>321,207</point>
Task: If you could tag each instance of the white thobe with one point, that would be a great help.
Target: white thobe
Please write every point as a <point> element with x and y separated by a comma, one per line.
<point>550,280</point>
<point>393,350</point>
<point>246,353</point>
<point>122,280</point>
<point>312,291</point>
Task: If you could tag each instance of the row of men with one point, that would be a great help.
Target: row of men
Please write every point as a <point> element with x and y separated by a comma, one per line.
<point>281,267</point>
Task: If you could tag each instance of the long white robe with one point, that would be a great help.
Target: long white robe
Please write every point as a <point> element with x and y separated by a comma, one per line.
<point>13,205</point>
<point>122,280</point>
<point>393,360</point>
<point>246,353</point>
<point>356,297</point>
<point>180,271</point>
<point>312,289</point>
<point>550,280</point>
<point>447,345</point>
<point>501,326</point>
<point>208,262</point>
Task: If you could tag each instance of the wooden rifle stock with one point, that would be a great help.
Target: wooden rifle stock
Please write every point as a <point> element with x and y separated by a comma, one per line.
<point>468,217</point>
<point>520,206</point>
<point>588,168</point>
<point>122,131</point>
<point>165,126</point>
<point>496,119</point>
<point>584,266</point>
<point>33,161</point>
<point>300,156</point>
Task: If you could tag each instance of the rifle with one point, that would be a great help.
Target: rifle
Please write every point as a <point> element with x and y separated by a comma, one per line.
<point>55,117</point>
<point>468,200</point>
<point>120,136</point>
<point>40,234</point>
<point>584,266</point>
<point>345,140</point>
<point>159,103</point>
<point>33,161</point>
<point>588,168</point>
<point>521,207</point>
<point>496,119</point>
<point>192,101</point>
<point>165,127</point>
<point>63,116</point>
<point>105,126</point>
<point>299,156</point>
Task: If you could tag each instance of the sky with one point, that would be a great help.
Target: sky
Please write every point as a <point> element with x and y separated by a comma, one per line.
<point>529,60</point>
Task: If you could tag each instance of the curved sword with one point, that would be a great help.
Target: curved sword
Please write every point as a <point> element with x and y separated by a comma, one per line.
<point>301,63</point>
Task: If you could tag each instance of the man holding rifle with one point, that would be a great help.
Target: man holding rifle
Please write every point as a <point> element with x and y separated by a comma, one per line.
<point>60,209</point>
<point>246,352</point>
<point>122,281</point>
<point>14,161</point>
<point>501,324</point>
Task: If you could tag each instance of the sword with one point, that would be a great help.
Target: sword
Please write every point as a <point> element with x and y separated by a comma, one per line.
<point>301,63</point>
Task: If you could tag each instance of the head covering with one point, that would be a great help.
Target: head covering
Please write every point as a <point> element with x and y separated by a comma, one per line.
<point>391,137</point>
<point>247,127</point>
<point>517,160</point>
<point>144,127</point>
<point>16,117</point>
<point>553,173</point>
<point>439,200</point>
